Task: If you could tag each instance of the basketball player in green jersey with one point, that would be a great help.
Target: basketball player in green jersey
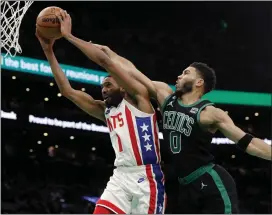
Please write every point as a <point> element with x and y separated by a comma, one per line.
<point>188,125</point>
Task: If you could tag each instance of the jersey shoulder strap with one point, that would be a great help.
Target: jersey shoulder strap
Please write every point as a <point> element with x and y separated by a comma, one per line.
<point>203,103</point>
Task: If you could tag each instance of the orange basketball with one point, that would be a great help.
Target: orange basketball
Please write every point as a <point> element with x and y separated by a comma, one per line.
<point>48,24</point>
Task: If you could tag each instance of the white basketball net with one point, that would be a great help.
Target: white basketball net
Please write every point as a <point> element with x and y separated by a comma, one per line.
<point>12,14</point>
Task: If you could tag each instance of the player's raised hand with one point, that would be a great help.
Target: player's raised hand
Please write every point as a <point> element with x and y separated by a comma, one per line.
<point>47,44</point>
<point>65,23</point>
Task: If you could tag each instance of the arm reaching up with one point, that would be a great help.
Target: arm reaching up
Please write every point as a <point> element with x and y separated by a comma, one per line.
<point>156,89</point>
<point>134,88</point>
<point>124,72</point>
<point>84,101</point>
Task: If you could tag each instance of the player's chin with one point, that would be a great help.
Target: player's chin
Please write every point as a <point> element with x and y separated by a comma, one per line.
<point>178,88</point>
<point>178,92</point>
<point>107,101</point>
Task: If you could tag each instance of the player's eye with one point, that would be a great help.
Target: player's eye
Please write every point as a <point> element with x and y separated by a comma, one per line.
<point>107,84</point>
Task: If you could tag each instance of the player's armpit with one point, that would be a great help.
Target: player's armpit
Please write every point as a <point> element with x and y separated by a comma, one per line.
<point>86,102</point>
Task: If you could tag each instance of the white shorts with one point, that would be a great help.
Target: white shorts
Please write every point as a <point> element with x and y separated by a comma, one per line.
<point>137,190</point>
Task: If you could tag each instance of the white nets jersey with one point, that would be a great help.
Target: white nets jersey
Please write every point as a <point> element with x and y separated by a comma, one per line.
<point>134,135</point>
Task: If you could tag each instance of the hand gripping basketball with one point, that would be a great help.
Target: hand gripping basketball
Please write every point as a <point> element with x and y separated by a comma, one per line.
<point>65,23</point>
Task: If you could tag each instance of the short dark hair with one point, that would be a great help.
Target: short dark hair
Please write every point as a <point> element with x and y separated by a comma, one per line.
<point>207,73</point>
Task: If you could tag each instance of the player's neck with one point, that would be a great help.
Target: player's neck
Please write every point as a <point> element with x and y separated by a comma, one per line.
<point>130,100</point>
<point>190,98</point>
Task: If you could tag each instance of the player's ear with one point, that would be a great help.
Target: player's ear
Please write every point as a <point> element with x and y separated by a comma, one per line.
<point>199,82</point>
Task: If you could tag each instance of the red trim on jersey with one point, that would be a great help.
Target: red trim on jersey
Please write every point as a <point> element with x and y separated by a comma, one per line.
<point>156,138</point>
<point>110,206</point>
<point>109,124</point>
<point>153,190</point>
<point>99,209</point>
<point>119,143</point>
<point>132,135</point>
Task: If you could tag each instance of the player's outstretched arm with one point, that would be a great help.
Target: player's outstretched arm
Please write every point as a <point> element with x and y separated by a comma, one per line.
<point>218,119</point>
<point>134,88</point>
<point>84,101</point>
<point>157,90</point>
<point>120,68</point>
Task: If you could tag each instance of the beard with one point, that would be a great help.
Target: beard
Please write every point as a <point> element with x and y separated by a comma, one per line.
<point>114,99</point>
<point>187,88</point>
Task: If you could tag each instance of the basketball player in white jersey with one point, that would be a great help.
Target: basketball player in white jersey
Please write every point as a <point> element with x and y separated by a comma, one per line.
<point>137,184</point>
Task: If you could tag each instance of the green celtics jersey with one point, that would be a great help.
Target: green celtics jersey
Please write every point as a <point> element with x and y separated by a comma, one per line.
<point>187,142</point>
